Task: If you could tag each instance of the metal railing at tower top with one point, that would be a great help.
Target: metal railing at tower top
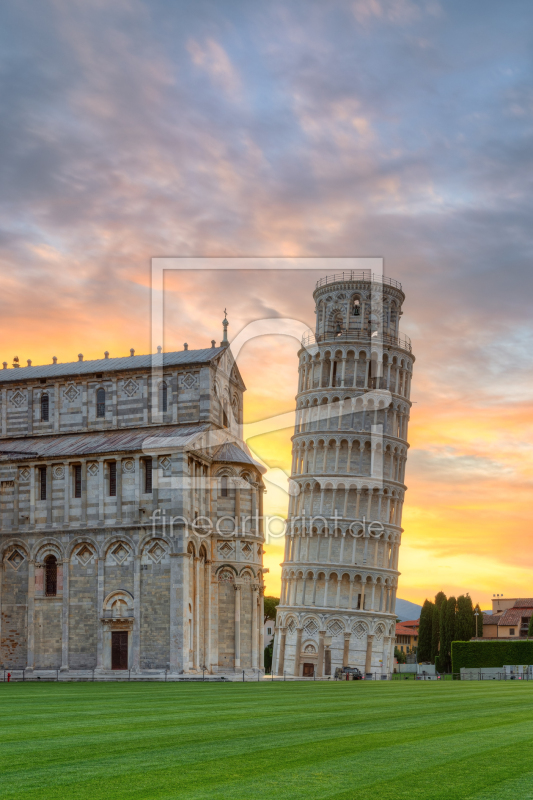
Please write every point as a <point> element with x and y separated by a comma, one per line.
<point>401,340</point>
<point>358,275</point>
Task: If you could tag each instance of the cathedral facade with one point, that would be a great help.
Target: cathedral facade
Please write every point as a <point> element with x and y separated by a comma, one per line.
<point>340,571</point>
<point>131,511</point>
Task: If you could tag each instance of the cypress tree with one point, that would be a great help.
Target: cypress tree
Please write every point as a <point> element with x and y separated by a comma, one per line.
<point>435,634</point>
<point>424,631</point>
<point>530,627</point>
<point>479,621</point>
<point>450,608</point>
<point>435,631</point>
<point>464,620</point>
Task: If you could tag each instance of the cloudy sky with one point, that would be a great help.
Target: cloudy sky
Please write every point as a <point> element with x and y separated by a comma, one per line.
<point>398,129</point>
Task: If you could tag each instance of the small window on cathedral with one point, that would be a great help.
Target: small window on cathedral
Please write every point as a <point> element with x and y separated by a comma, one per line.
<point>224,486</point>
<point>100,403</point>
<point>50,576</point>
<point>42,483</point>
<point>45,407</point>
<point>77,480</point>
<point>163,402</point>
<point>112,479</point>
<point>224,418</point>
<point>148,476</point>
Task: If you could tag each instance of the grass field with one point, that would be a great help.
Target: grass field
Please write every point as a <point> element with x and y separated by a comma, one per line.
<point>355,741</point>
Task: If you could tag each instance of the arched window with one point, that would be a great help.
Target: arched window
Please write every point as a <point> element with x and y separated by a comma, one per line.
<point>163,395</point>
<point>356,307</point>
<point>50,576</point>
<point>100,403</point>
<point>45,408</point>
<point>225,414</point>
<point>224,486</point>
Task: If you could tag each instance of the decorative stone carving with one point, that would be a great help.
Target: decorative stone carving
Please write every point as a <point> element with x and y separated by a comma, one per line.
<point>130,387</point>
<point>334,628</point>
<point>226,549</point>
<point>17,398</point>
<point>156,552</point>
<point>120,552</point>
<point>188,381</point>
<point>15,559</point>
<point>118,623</point>
<point>84,554</point>
<point>128,465</point>
<point>92,469</point>
<point>24,474</point>
<point>359,629</point>
<point>58,472</point>
<point>72,392</point>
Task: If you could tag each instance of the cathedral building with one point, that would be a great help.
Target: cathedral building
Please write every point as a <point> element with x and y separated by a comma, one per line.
<point>131,529</point>
<point>340,571</point>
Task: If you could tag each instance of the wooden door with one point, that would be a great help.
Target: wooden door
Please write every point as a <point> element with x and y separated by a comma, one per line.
<point>308,670</point>
<point>119,650</point>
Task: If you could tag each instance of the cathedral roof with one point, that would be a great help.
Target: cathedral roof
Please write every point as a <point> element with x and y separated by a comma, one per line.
<point>76,368</point>
<point>233,454</point>
<point>79,444</point>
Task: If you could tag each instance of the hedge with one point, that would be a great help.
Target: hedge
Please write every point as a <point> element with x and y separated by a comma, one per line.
<point>479,655</point>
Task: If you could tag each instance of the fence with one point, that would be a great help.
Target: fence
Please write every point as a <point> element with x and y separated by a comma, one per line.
<point>244,676</point>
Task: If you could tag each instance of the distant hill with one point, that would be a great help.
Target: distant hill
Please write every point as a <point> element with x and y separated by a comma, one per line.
<point>406,610</point>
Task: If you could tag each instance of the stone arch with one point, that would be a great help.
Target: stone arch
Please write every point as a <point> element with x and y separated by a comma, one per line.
<point>118,604</point>
<point>222,573</point>
<point>81,540</point>
<point>119,537</point>
<point>49,547</point>
<point>19,544</point>
<point>83,549</point>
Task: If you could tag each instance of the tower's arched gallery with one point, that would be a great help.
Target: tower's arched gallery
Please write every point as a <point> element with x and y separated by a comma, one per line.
<point>91,577</point>
<point>340,570</point>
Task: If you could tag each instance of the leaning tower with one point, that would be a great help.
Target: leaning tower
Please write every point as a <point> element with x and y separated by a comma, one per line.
<point>340,569</point>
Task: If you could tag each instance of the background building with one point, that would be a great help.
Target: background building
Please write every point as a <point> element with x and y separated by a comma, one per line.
<point>340,571</point>
<point>509,619</point>
<point>110,472</point>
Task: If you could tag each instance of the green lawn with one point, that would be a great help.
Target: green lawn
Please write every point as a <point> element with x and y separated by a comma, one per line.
<point>355,741</point>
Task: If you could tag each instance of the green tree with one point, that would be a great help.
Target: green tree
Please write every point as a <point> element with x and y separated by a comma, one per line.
<point>479,621</point>
<point>530,627</point>
<point>269,655</point>
<point>447,633</point>
<point>424,631</point>
<point>399,656</point>
<point>271,603</point>
<point>440,598</point>
<point>465,627</point>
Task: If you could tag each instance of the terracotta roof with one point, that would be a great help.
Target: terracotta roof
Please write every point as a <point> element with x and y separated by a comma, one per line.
<point>401,631</point>
<point>491,619</point>
<point>513,616</point>
<point>524,602</point>
<point>411,623</point>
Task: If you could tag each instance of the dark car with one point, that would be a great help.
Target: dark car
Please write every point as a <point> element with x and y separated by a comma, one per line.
<point>353,674</point>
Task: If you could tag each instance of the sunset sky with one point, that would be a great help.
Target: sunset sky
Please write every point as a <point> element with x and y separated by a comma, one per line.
<point>397,129</point>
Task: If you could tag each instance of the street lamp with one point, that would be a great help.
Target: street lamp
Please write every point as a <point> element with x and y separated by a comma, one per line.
<point>476,615</point>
